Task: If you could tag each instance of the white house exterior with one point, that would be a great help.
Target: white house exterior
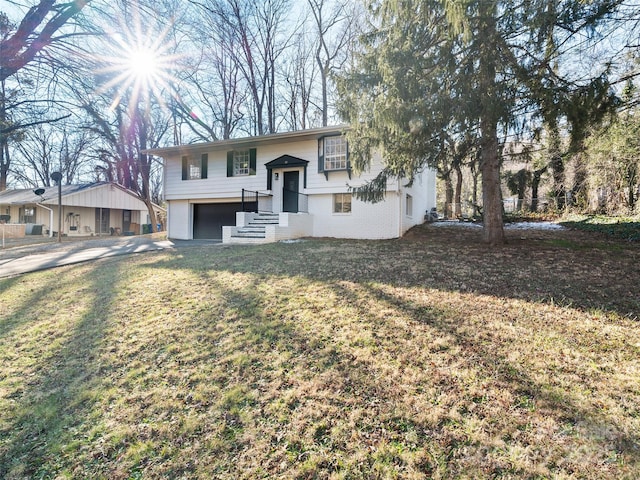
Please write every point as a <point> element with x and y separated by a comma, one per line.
<point>89,209</point>
<point>282,186</point>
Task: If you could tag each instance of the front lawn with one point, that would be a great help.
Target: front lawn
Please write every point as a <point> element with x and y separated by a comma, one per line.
<point>623,228</point>
<point>431,356</point>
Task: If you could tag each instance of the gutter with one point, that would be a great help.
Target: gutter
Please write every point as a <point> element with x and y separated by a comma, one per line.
<point>50,218</point>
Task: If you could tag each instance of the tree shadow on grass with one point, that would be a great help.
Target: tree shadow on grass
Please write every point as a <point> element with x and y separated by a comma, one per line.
<point>28,308</point>
<point>371,265</point>
<point>490,358</point>
<point>530,269</point>
<point>325,377</point>
<point>50,409</point>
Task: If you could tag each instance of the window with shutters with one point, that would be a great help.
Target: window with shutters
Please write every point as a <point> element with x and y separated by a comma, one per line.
<point>240,163</point>
<point>194,168</point>
<point>335,153</point>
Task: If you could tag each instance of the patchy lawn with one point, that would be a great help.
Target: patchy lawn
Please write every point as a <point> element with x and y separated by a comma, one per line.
<point>429,356</point>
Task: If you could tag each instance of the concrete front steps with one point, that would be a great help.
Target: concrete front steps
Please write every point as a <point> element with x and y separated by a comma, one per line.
<point>258,228</point>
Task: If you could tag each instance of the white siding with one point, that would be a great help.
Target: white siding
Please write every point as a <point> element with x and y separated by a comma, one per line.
<point>386,219</point>
<point>423,194</point>
<point>217,185</point>
<point>104,196</point>
<point>179,220</point>
<point>366,220</point>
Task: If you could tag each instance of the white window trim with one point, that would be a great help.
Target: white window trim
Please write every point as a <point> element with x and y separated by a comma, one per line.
<point>238,157</point>
<point>337,141</point>
<point>194,168</point>
<point>408,205</point>
<point>333,204</point>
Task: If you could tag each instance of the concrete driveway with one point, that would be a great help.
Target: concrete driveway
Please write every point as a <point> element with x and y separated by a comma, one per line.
<point>19,258</point>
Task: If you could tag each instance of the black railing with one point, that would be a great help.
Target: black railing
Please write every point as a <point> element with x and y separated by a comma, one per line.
<point>295,202</point>
<point>303,203</point>
<point>256,201</point>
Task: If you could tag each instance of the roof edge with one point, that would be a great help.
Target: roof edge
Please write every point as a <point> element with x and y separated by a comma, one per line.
<point>247,141</point>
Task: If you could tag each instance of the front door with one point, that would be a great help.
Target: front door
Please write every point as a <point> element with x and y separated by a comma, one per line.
<point>126,220</point>
<point>290,192</point>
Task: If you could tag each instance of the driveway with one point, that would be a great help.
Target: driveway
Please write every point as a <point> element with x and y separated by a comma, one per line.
<point>19,258</point>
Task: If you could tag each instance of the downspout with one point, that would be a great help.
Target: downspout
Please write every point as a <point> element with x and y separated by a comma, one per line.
<point>50,218</point>
<point>399,210</point>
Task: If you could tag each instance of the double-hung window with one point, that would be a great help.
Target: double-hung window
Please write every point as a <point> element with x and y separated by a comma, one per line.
<point>341,203</point>
<point>194,168</point>
<point>27,215</point>
<point>333,154</point>
<point>241,162</point>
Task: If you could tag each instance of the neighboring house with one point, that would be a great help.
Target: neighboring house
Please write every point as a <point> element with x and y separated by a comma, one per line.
<point>282,186</point>
<point>90,209</point>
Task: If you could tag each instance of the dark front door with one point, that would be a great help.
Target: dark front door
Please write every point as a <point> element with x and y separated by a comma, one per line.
<point>126,220</point>
<point>290,192</point>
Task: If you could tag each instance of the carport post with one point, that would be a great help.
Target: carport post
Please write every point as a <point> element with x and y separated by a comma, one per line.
<point>57,177</point>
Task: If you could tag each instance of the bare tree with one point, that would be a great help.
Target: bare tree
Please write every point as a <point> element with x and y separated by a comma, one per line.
<point>257,31</point>
<point>45,149</point>
<point>21,47</point>
<point>212,80</point>
<point>334,24</point>
<point>127,109</point>
<point>300,78</point>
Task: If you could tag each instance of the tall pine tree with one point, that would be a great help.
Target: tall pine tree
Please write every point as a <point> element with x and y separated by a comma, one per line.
<point>432,69</point>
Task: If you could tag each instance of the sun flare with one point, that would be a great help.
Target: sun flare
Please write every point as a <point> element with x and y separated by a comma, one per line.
<point>144,63</point>
<point>137,65</point>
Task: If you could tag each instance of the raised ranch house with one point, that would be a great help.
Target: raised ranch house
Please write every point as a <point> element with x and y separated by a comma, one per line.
<point>100,208</point>
<point>283,186</point>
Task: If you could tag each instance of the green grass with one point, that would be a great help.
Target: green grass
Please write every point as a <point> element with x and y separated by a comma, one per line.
<point>426,357</point>
<point>623,228</point>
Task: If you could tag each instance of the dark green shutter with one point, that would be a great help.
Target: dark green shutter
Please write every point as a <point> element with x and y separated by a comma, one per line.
<point>204,165</point>
<point>348,159</point>
<point>230,164</point>
<point>348,162</point>
<point>185,169</point>
<point>320,155</point>
<point>252,161</point>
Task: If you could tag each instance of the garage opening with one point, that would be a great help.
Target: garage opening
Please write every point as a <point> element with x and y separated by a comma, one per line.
<point>209,218</point>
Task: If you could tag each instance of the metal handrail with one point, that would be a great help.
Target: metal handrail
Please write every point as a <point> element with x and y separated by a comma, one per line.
<point>303,201</point>
<point>255,202</point>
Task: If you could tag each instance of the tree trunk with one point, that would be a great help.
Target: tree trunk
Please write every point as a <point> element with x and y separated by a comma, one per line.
<point>4,164</point>
<point>535,184</point>
<point>493,231</point>
<point>632,175</point>
<point>4,139</point>
<point>579,190</point>
<point>448,187</point>
<point>474,192</point>
<point>152,215</point>
<point>458,193</point>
